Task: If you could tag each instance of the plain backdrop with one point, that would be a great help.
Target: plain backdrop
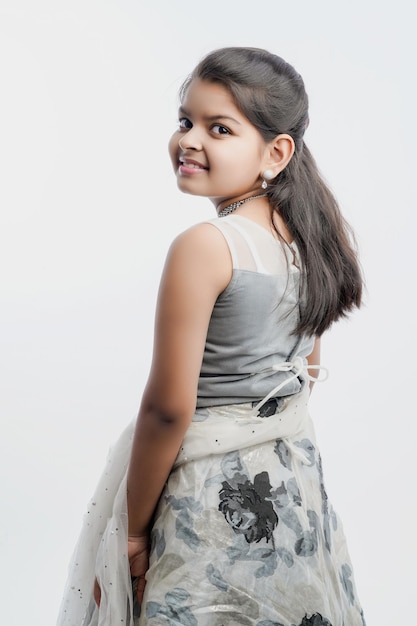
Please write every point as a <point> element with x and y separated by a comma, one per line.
<point>89,206</point>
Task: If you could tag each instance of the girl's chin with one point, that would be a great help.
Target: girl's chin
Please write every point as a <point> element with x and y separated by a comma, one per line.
<point>185,186</point>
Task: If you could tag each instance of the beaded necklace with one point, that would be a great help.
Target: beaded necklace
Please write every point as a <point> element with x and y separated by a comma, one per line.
<point>232,207</point>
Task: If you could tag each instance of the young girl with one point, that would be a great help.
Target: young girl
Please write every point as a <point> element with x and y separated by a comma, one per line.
<point>216,506</point>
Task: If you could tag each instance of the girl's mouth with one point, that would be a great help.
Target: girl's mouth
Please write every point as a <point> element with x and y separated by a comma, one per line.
<point>189,166</point>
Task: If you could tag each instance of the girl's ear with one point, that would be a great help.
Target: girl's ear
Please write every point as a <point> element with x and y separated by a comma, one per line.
<point>278,153</point>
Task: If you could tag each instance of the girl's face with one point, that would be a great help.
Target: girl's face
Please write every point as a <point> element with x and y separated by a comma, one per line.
<point>216,152</point>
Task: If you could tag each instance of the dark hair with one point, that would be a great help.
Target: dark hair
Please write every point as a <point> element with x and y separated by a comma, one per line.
<point>271,94</point>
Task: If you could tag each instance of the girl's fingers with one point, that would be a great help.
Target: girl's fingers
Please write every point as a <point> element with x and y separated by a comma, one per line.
<point>97,592</point>
<point>141,588</point>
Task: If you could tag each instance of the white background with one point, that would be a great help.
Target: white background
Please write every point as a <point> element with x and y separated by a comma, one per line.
<point>89,207</point>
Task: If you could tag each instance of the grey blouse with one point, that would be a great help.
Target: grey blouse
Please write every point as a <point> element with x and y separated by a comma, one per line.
<point>252,321</point>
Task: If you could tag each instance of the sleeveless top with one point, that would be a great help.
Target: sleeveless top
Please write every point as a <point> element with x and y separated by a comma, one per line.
<point>252,322</point>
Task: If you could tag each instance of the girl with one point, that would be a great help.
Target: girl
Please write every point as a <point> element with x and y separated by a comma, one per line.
<point>216,504</point>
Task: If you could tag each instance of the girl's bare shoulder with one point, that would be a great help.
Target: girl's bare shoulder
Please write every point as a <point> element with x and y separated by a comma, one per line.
<point>203,235</point>
<point>201,251</point>
<point>202,242</point>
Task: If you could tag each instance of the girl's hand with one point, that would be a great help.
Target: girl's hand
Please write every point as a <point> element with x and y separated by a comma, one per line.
<point>97,592</point>
<point>138,553</point>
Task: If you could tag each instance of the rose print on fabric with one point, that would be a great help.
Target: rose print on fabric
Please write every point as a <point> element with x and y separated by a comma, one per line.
<point>307,543</point>
<point>315,620</point>
<point>175,610</point>
<point>184,524</point>
<point>238,607</point>
<point>248,509</point>
<point>284,453</point>
<point>158,542</point>
<point>309,450</point>
<point>267,557</point>
<point>214,576</point>
<point>325,508</point>
<point>270,532</point>
<point>345,579</point>
<point>287,501</point>
<point>271,407</point>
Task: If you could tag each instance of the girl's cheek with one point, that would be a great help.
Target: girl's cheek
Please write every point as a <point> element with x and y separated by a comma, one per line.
<point>173,148</point>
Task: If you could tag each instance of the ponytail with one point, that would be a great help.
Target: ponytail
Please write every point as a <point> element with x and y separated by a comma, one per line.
<point>331,280</point>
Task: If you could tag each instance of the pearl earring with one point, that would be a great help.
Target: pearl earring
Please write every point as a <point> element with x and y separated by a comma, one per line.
<point>266,175</point>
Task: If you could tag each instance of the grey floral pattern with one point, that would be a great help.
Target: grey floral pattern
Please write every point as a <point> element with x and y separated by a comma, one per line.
<point>271,407</point>
<point>325,507</point>
<point>284,453</point>
<point>185,521</point>
<point>175,610</point>
<point>315,620</point>
<point>248,509</point>
<point>250,524</point>
<point>345,577</point>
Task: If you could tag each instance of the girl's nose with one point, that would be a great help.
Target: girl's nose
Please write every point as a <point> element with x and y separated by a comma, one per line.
<point>191,140</point>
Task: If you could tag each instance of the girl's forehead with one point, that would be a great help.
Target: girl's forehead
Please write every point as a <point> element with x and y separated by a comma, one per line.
<point>200,92</point>
<point>209,97</point>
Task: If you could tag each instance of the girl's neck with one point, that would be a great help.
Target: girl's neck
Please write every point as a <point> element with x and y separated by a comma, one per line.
<point>259,211</point>
<point>220,206</point>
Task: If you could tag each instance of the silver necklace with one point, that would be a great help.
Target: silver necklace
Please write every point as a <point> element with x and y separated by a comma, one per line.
<point>232,207</point>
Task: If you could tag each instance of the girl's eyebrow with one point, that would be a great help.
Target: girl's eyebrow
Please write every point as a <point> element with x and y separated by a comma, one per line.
<point>210,118</point>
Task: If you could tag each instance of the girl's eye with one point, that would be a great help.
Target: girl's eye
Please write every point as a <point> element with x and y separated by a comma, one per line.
<point>184,123</point>
<point>218,129</point>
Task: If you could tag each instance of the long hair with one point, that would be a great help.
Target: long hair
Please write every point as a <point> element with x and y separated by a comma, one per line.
<point>272,96</point>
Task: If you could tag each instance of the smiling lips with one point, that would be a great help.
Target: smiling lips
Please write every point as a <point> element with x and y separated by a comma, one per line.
<point>189,166</point>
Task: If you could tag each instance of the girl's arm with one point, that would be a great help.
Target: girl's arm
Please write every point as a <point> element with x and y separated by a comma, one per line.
<point>314,359</point>
<point>197,270</point>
